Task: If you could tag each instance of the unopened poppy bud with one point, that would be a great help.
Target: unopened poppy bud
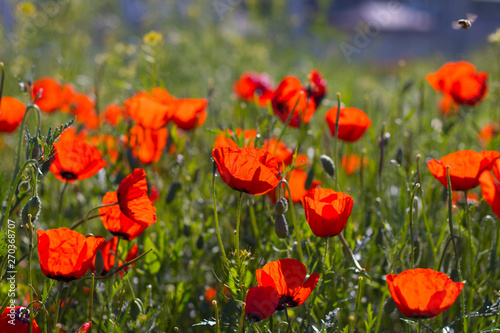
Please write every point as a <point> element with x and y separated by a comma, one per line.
<point>328,165</point>
<point>199,242</point>
<point>99,263</point>
<point>280,226</point>
<point>32,208</point>
<point>309,178</point>
<point>281,206</point>
<point>389,306</point>
<point>454,276</point>
<point>23,187</point>
<point>399,155</point>
<point>172,191</point>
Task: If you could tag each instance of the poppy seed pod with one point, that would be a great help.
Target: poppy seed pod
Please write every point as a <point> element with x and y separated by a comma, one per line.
<point>17,320</point>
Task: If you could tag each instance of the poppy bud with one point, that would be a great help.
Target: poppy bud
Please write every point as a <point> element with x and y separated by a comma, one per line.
<point>46,165</point>
<point>399,155</point>
<point>199,242</point>
<point>32,208</point>
<point>281,206</point>
<point>99,263</point>
<point>280,226</point>
<point>328,165</point>
<point>309,179</point>
<point>23,187</point>
<point>172,191</point>
<point>389,306</point>
<point>455,276</point>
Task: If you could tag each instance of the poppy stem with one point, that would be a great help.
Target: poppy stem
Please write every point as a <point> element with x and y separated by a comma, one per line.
<point>2,81</point>
<point>296,230</point>
<point>450,212</point>
<point>216,217</point>
<point>336,141</point>
<point>237,242</point>
<point>87,217</point>
<point>91,303</point>
<point>412,201</point>
<point>217,324</point>
<point>250,329</point>
<point>349,251</point>
<point>358,299</point>
<point>469,228</point>
<point>61,196</point>
<point>426,221</point>
<point>30,250</point>
<point>58,305</point>
<point>77,223</point>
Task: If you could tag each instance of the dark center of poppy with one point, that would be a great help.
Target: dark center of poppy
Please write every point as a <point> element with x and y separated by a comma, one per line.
<point>288,301</point>
<point>23,315</point>
<point>68,175</point>
<point>252,316</point>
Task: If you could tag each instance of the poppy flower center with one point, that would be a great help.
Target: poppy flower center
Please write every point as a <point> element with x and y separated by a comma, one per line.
<point>254,317</point>
<point>23,315</point>
<point>288,301</point>
<point>68,175</point>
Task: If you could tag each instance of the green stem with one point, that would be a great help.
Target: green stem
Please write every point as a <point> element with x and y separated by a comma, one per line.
<point>294,222</point>
<point>87,217</point>
<point>58,305</point>
<point>38,117</point>
<point>426,221</point>
<point>61,196</point>
<point>216,217</point>
<point>30,283</point>
<point>380,312</point>
<point>412,199</point>
<point>336,139</point>
<point>450,212</point>
<point>91,303</point>
<point>255,228</point>
<point>2,81</point>
<point>358,299</point>
<point>217,324</point>
<point>469,228</point>
<point>349,251</point>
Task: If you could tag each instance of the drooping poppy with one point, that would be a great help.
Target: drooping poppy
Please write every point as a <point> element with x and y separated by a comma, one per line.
<point>317,88</point>
<point>133,198</point>
<point>189,112</point>
<point>488,132</point>
<point>11,114</point>
<point>287,277</point>
<point>17,320</point>
<point>352,123</point>
<point>291,96</point>
<point>147,144</point>
<point>113,114</point>
<point>76,160</point>
<point>250,170</point>
<point>327,211</point>
<point>490,187</point>
<point>460,81</point>
<point>50,94</point>
<point>261,302</point>
<point>118,223</point>
<point>108,251</point>
<point>465,168</point>
<point>248,137</point>
<point>65,254</point>
<point>423,293</point>
<point>148,111</point>
<point>251,86</point>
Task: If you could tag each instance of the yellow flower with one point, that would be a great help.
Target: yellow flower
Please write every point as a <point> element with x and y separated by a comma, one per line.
<point>152,38</point>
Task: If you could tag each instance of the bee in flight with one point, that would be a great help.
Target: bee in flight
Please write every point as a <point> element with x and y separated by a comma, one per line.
<point>464,23</point>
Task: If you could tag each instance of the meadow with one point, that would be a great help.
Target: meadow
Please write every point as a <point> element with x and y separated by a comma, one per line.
<point>199,196</point>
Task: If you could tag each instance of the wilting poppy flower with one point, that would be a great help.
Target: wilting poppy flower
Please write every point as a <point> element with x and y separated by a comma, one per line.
<point>327,211</point>
<point>17,320</point>
<point>490,188</point>
<point>50,94</point>
<point>76,159</point>
<point>189,112</point>
<point>113,114</point>
<point>249,170</point>
<point>251,86</point>
<point>84,328</point>
<point>133,198</point>
<point>249,137</point>
<point>291,96</point>
<point>108,251</point>
<point>460,81</point>
<point>465,168</point>
<point>66,255</point>
<point>317,89</point>
<point>287,277</point>
<point>423,293</point>
<point>147,144</point>
<point>118,223</point>
<point>352,123</point>
<point>261,302</point>
<point>11,114</point>
<point>148,111</point>
<point>488,132</point>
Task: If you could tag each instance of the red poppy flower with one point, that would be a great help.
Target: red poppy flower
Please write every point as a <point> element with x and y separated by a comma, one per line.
<point>11,114</point>
<point>83,107</point>
<point>162,96</point>
<point>133,198</point>
<point>113,114</point>
<point>118,223</point>
<point>147,144</point>
<point>317,89</point>
<point>488,132</point>
<point>76,159</point>
<point>423,293</point>
<point>253,85</point>
<point>465,168</point>
<point>327,211</point>
<point>84,328</point>
<point>279,149</point>
<point>352,123</point>
<point>154,194</point>
<point>448,106</point>
<point>50,94</point>
<point>248,170</point>
<point>148,111</point>
<point>67,95</point>
<point>248,135</point>
<point>189,112</point>
<point>261,302</point>
<point>287,277</point>
<point>107,144</point>
<point>66,255</point>
<point>210,295</point>
<point>458,197</point>
<point>490,188</point>
<point>352,163</point>
<point>17,320</point>
<point>291,96</point>
<point>460,81</point>
<point>108,251</point>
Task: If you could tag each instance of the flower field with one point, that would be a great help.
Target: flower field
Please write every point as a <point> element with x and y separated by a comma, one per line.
<point>182,177</point>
